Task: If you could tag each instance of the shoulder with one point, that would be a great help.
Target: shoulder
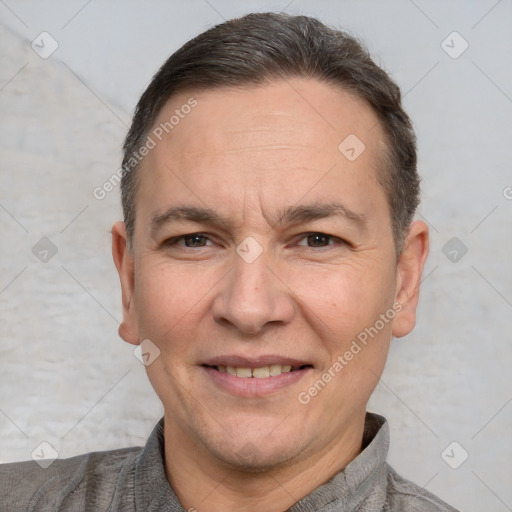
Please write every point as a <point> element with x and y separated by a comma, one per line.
<point>403,494</point>
<point>66,482</point>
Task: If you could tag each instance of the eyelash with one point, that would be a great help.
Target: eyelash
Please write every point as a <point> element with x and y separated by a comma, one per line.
<point>336,240</point>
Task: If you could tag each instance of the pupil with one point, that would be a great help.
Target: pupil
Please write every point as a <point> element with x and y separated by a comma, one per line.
<point>194,240</point>
<point>317,240</point>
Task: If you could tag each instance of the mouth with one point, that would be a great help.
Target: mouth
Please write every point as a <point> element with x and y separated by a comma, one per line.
<point>258,372</point>
<point>255,376</point>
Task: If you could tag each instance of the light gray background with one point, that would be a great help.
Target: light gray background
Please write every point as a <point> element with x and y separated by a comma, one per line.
<point>66,377</point>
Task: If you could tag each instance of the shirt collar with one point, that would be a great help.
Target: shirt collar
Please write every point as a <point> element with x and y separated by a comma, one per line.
<point>346,489</point>
<point>152,489</point>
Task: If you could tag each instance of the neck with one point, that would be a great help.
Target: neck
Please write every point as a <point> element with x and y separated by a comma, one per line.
<point>204,483</point>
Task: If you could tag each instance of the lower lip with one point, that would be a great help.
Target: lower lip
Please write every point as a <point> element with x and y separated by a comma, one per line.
<point>251,386</point>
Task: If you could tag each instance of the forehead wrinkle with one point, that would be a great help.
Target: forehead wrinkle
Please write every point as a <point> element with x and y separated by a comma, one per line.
<point>265,147</point>
<point>259,124</point>
<point>259,147</point>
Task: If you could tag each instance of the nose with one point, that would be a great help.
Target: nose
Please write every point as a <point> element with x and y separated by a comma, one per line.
<point>252,297</point>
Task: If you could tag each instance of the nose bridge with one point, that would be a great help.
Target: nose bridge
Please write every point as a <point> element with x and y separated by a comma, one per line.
<point>250,297</point>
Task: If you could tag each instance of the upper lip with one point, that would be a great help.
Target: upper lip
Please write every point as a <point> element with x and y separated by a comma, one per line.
<point>239,361</point>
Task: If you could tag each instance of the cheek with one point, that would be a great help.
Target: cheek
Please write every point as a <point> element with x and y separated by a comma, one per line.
<point>170,299</point>
<point>342,301</point>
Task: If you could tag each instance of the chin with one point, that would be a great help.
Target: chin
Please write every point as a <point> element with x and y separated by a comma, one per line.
<point>251,459</point>
<point>256,452</point>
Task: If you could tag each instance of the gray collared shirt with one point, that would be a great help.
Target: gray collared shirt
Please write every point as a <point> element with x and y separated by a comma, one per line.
<point>134,480</point>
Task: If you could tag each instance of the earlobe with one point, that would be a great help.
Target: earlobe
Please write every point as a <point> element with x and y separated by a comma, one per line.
<point>125,265</point>
<point>409,271</point>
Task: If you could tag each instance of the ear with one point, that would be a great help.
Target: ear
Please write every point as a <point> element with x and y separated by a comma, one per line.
<point>125,264</point>
<point>409,270</point>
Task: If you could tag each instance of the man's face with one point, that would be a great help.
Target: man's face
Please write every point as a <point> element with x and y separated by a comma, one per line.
<point>259,244</point>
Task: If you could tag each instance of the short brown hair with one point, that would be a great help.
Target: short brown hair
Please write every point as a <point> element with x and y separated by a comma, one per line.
<point>261,47</point>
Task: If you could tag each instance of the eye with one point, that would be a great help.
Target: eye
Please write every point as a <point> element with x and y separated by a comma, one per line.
<point>191,240</point>
<point>318,240</point>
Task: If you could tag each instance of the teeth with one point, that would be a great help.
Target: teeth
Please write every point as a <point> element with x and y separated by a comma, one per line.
<point>243,372</point>
<point>262,372</point>
<point>275,369</point>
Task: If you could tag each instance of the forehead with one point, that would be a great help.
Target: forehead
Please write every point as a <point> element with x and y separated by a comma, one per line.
<point>267,144</point>
<point>299,110</point>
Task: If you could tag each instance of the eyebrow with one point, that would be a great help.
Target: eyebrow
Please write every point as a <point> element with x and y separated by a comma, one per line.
<point>292,215</point>
<point>187,213</point>
<point>306,213</point>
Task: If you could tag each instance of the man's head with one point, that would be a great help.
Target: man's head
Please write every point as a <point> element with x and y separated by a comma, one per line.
<point>263,48</point>
<point>263,242</point>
